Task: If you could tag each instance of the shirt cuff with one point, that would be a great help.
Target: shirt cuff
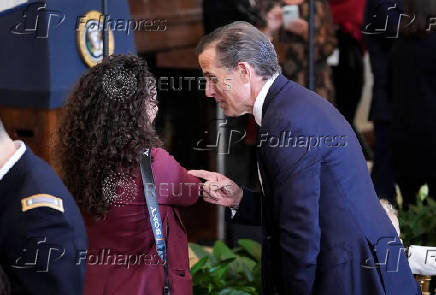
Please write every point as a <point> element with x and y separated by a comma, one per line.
<point>234,211</point>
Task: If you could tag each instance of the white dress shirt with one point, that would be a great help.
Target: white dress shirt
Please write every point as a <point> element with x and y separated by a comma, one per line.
<point>260,99</point>
<point>21,149</point>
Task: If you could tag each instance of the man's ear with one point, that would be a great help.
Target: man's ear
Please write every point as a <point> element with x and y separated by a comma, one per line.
<point>245,71</point>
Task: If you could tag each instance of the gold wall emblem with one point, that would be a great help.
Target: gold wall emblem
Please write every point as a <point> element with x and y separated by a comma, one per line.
<point>90,38</point>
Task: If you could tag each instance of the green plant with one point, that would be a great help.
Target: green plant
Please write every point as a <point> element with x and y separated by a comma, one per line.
<point>418,224</point>
<point>226,271</point>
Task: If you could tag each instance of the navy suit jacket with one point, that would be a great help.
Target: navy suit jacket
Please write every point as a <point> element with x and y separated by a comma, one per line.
<point>323,227</point>
<point>40,247</point>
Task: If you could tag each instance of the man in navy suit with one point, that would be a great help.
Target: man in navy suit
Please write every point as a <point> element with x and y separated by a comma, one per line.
<point>324,231</point>
<point>42,233</point>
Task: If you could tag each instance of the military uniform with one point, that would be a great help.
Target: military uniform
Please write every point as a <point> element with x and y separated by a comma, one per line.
<point>42,232</point>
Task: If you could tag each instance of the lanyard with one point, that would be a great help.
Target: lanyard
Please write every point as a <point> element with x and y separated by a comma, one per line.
<point>153,211</point>
<point>152,205</point>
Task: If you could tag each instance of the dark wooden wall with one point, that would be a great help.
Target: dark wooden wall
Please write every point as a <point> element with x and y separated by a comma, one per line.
<point>175,46</point>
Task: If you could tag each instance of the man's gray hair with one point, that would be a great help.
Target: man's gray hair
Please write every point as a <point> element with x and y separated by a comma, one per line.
<point>242,42</point>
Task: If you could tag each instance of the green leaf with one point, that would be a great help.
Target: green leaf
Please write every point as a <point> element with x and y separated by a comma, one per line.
<point>235,291</point>
<point>253,248</point>
<point>222,252</point>
<point>257,273</point>
<point>199,265</point>
<point>418,224</point>
<point>241,269</point>
<point>247,268</point>
<point>198,250</point>
<point>218,272</point>
<point>227,271</point>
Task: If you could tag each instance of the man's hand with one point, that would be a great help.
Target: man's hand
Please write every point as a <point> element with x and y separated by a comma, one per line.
<point>219,189</point>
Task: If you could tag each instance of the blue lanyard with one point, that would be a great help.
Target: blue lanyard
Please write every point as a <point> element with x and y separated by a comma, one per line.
<point>152,204</point>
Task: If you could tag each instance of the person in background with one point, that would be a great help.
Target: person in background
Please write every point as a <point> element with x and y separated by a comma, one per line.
<point>291,41</point>
<point>348,76</point>
<point>107,124</point>
<point>381,19</point>
<point>413,93</point>
<point>42,231</point>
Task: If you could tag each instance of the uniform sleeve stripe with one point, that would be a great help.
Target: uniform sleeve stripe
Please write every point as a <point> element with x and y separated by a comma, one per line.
<point>42,200</point>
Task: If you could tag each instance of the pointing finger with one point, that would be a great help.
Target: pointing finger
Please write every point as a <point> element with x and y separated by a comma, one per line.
<point>204,174</point>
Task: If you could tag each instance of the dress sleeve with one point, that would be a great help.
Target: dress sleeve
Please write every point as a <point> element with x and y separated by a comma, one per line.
<point>174,186</point>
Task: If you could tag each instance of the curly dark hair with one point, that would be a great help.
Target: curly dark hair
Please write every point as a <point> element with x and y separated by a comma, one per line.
<point>104,127</point>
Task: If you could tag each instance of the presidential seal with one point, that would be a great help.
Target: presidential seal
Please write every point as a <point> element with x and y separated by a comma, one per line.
<point>90,37</point>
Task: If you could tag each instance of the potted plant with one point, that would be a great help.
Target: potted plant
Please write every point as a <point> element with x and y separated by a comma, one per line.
<point>418,227</point>
<point>223,271</point>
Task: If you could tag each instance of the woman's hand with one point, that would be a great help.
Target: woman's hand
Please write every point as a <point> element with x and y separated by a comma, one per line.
<point>274,20</point>
<point>299,27</point>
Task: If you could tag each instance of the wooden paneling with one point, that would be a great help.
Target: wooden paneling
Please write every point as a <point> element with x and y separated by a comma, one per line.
<point>175,46</point>
<point>178,58</point>
<point>34,127</point>
<point>184,25</point>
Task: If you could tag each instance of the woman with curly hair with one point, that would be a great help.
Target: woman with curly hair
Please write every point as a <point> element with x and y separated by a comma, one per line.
<point>106,125</point>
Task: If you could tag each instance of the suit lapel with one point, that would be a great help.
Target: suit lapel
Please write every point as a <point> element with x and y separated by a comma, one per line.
<point>258,160</point>
<point>273,91</point>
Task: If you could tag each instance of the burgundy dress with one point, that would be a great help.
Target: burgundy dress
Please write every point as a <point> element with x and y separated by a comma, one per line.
<point>122,257</point>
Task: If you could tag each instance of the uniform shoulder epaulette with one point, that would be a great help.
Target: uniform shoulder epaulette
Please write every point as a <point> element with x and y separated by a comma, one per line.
<point>42,200</point>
